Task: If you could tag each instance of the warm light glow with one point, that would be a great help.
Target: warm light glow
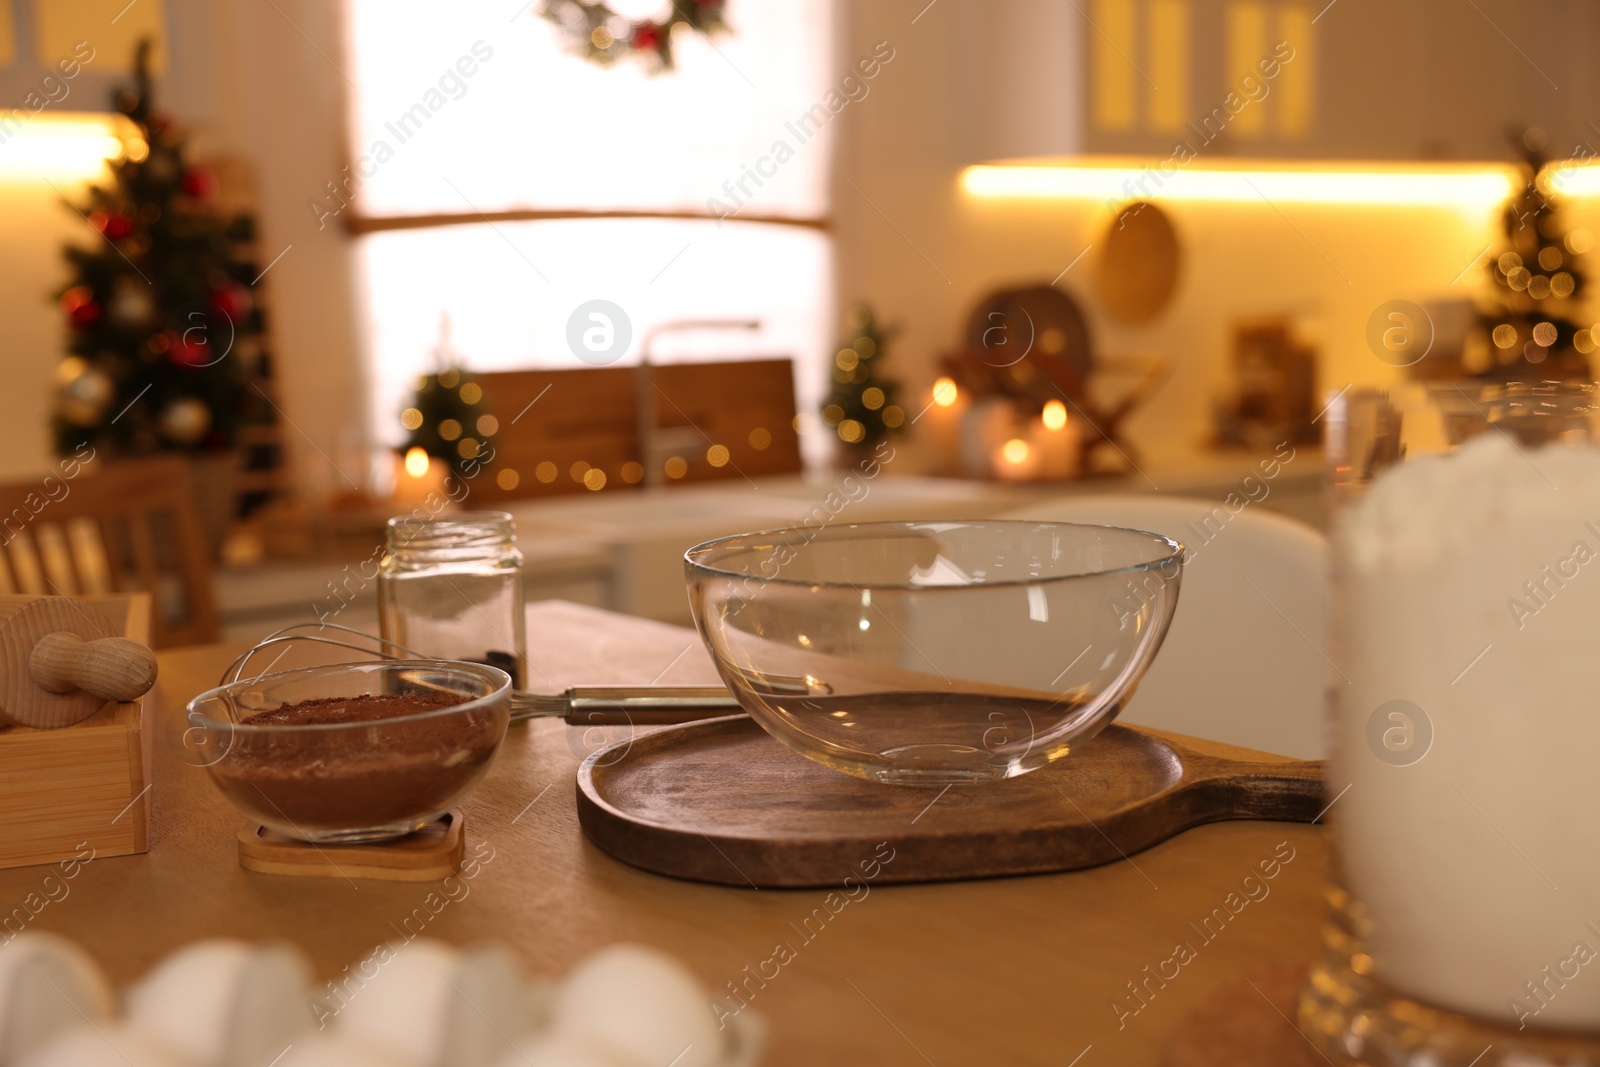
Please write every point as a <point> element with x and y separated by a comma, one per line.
<point>1015,450</point>
<point>68,146</point>
<point>945,392</point>
<point>1457,186</point>
<point>1575,180</point>
<point>416,462</point>
<point>1055,415</point>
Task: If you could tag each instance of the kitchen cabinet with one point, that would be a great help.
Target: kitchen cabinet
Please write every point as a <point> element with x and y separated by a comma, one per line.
<point>1210,80</point>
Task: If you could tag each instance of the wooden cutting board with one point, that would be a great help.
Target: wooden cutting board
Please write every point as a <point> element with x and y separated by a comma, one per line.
<point>721,801</point>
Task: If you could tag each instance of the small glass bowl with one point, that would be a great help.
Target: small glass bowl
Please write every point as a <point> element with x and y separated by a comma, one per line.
<point>349,782</point>
<point>934,652</point>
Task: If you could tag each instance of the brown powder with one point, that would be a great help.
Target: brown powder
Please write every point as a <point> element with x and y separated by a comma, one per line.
<point>351,709</point>
<point>373,772</point>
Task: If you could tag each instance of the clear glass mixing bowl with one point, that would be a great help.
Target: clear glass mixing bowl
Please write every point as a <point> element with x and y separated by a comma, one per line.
<point>344,778</point>
<point>934,651</point>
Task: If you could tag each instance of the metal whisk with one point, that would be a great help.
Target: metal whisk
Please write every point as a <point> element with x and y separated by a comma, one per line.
<point>582,705</point>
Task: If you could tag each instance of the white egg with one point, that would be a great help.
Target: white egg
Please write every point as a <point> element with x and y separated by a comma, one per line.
<point>332,1050</point>
<point>640,1004</point>
<point>445,1006</point>
<point>107,1045</point>
<point>222,1003</point>
<point>563,1050</point>
<point>48,986</point>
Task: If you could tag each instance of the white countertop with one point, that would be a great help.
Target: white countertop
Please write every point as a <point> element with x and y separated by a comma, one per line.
<point>624,550</point>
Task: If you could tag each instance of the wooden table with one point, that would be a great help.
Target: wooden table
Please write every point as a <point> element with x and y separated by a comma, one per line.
<point>1012,971</point>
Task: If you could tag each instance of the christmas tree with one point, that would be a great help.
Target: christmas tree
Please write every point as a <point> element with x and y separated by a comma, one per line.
<point>158,304</point>
<point>447,418</point>
<point>861,406</point>
<point>1539,283</point>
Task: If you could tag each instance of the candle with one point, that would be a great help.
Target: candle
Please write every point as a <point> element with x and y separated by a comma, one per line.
<point>417,476</point>
<point>986,424</point>
<point>1055,439</point>
<point>940,426</point>
<point>1016,460</point>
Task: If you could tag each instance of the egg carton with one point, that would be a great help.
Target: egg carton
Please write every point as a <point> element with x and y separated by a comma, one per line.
<point>420,1003</point>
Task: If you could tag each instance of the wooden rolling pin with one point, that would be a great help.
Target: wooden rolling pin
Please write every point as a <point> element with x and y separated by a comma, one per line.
<point>59,667</point>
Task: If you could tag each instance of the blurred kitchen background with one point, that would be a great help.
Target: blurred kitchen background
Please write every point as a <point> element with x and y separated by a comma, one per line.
<point>644,273</point>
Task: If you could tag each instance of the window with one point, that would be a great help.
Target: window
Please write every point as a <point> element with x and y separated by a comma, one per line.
<point>505,183</point>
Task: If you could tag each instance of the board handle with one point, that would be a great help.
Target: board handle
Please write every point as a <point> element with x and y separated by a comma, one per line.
<point>113,668</point>
<point>1281,790</point>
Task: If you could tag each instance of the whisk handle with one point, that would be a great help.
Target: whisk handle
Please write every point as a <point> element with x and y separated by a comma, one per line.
<point>653,705</point>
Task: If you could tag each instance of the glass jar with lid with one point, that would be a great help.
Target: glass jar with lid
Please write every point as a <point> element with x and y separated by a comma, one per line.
<point>1461,789</point>
<point>451,587</point>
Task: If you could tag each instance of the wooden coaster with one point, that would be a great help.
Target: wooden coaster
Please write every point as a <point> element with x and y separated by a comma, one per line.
<point>1248,1023</point>
<point>432,853</point>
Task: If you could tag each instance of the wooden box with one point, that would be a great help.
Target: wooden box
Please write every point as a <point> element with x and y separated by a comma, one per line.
<point>63,792</point>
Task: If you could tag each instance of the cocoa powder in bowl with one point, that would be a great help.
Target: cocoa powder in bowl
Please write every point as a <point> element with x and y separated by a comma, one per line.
<point>356,763</point>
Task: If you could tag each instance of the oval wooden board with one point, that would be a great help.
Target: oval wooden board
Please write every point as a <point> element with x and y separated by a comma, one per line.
<point>1139,263</point>
<point>721,801</point>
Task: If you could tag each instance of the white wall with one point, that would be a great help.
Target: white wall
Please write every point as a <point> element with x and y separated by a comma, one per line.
<point>282,106</point>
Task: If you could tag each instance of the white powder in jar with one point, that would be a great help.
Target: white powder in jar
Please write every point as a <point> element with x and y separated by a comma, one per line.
<point>1471,592</point>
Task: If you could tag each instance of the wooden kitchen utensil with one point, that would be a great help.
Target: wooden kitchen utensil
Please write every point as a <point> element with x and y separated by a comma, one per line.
<point>84,790</point>
<point>58,666</point>
<point>721,801</point>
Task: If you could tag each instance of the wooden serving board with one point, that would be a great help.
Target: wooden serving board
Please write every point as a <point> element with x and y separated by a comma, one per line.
<point>721,801</point>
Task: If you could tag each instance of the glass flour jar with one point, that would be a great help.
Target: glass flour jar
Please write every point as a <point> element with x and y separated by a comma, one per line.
<point>1464,917</point>
<point>451,588</point>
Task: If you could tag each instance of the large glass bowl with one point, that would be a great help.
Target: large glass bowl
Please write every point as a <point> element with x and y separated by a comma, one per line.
<point>934,652</point>
<point>347,782</point>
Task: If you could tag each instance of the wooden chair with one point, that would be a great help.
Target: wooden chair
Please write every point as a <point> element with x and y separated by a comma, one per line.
<point>126,526</point>
<point>1243,661</point>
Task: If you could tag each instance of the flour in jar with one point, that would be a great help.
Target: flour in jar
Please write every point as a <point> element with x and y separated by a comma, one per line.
<point>1471,593</point>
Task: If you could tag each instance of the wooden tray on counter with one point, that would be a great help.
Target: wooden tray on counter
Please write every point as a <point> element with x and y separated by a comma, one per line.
<point>721,801</point>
